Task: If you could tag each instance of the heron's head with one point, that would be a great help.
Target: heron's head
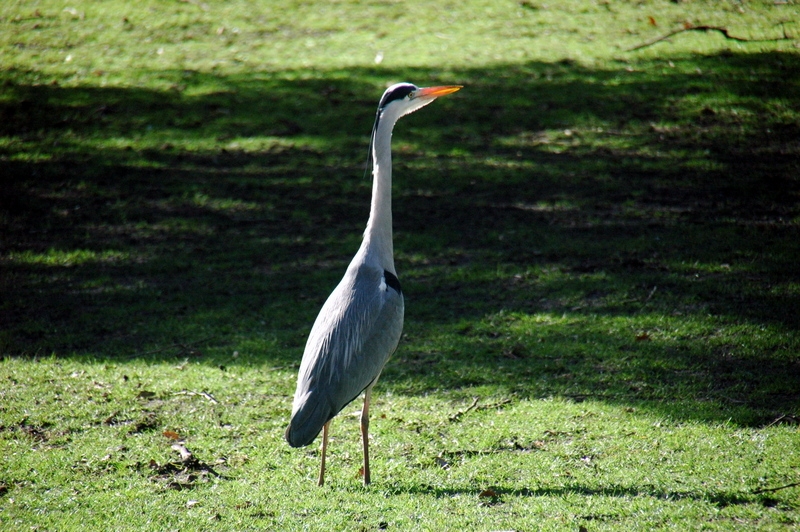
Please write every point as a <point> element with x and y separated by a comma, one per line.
<point>403,98</point>
<point>399,100</point>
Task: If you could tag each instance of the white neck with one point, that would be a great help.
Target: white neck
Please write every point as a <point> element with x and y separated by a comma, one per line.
<point>377,247</point>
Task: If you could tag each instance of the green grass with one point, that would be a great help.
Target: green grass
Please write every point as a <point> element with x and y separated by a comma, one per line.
<point>598,249</point>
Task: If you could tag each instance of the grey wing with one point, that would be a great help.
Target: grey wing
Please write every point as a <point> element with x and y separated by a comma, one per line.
<point>356,331</point>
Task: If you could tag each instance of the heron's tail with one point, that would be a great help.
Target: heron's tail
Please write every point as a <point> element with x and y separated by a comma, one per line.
<point>307,422</point>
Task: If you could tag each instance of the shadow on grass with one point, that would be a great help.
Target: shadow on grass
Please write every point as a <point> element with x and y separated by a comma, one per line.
<point>646,214</point>
<point>720,499</point>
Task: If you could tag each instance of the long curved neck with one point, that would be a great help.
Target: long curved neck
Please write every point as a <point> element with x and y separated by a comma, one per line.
<point>377,245</point>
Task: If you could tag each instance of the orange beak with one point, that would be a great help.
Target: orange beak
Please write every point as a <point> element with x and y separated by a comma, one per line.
<point>435,92</point>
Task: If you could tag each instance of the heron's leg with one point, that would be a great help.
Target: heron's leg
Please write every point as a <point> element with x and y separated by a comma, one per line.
<point>365,432</point>
<point>321,480</point>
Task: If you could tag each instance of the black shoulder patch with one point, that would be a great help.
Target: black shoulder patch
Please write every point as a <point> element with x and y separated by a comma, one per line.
<point>392,281</point>
<point>396,92</point>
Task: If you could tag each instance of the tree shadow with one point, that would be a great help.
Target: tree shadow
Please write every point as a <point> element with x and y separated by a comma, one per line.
<point>138,222</point>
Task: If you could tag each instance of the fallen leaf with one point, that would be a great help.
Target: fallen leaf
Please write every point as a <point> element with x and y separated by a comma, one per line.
<point>172,435</point>
<point>652,21</point>
<point>191,504</point>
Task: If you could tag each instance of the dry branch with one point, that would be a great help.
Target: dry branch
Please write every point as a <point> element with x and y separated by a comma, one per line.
<point>207,395</point>
<point>767,490</point>
<point>703,27</point>
<point>474,406</point>
<point>457,415</point>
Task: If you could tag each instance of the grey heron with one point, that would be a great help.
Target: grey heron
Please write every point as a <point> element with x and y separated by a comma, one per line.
<point>359,326</point>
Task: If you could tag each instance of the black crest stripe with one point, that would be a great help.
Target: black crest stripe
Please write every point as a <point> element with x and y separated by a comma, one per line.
<point>398,93</point>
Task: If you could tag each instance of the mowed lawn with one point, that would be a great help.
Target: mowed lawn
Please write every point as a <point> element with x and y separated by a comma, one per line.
<point>598,240</point>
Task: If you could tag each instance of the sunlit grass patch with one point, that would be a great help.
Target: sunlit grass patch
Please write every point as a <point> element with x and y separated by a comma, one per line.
<point>224,204</point>
<point>75,257</point>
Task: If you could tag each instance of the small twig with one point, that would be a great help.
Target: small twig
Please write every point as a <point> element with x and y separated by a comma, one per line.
<point>650,295</point>
<point>788,418</point>
<point>183,346</point>
<point>776,421</point>
<point>767,490</point>
<point>467,452</point>
<point>602,395</point>
<point>457,415</point>
<point>688,27</point>
<point>201,394</point>
<point>646,300</point>
<point>732,400</point>
<point>494,405</point>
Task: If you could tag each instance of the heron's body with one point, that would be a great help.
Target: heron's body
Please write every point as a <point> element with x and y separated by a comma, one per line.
<point>360,324</point>
<point>356,331</point>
